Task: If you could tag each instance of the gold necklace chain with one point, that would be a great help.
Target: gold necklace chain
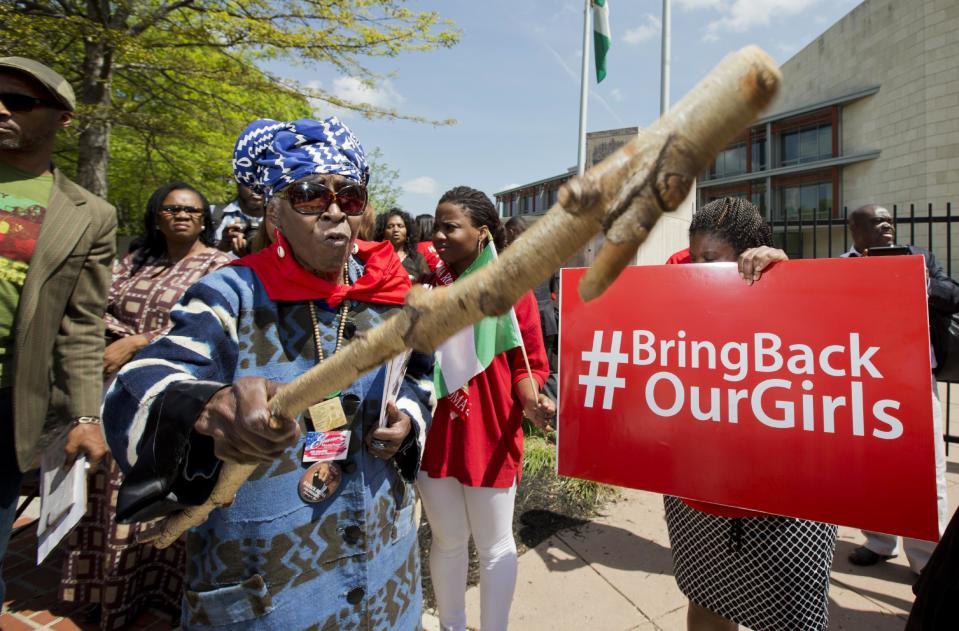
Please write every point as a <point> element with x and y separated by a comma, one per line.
<point>344,311</point>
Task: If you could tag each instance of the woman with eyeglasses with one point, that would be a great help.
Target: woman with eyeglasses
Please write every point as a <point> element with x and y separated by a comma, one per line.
<point>322,535</point>
<point>177,250</point>
<point>104,567</point>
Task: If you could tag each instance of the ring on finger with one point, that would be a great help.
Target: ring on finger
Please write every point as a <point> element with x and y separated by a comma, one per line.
<point>376,443</point>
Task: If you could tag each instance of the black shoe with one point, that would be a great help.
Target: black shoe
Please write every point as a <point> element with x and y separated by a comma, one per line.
<point>864,556</point>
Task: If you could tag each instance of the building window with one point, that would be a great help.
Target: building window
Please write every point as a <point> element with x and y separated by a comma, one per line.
<point>758,154</point>
<point>805,201</point>
<point>712,194</point>
<point>806,145</point>
<point>759,197</point>
<point>729,162</point>
<point>552,197</point>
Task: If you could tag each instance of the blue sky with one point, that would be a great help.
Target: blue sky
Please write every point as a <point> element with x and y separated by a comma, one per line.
<point>512,82</point>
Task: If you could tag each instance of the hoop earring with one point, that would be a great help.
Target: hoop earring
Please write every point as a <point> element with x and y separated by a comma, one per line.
<point>485,237</point>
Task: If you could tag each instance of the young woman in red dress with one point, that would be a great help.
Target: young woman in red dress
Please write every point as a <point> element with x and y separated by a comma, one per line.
<point>472,463</point>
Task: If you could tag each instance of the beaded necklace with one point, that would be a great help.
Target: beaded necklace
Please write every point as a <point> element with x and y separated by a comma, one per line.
<point>344,311</point>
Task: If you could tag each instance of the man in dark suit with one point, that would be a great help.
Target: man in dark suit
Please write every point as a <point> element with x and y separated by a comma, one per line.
<point>57,242</point>
<point>871,226</point>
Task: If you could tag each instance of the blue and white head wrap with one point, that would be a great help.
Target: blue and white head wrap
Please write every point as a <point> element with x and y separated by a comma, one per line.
<point>270,155</point>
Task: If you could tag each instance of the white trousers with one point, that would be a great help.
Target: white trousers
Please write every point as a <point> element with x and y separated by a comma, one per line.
<point>918,551</point>
<point>454,511</point>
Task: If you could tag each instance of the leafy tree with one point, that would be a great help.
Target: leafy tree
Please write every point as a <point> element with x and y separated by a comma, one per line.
<point>164,86</point>
<point>152,143</point>
<point>384,193</point>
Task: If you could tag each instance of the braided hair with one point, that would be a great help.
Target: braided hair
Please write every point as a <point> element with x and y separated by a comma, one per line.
<point>480,210</point>
<point>379,234</point>
<point>735,220</point>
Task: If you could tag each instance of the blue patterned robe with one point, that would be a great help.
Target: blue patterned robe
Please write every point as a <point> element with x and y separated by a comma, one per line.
<point>271,561</point>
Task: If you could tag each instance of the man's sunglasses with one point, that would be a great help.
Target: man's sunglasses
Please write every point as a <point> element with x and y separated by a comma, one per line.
<point>23,102</point>
<point>170,211</point>
<point>314,198</point>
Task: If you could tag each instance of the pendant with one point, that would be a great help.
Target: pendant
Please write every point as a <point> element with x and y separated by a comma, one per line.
<point>328,415</point>
<point>319,482</point>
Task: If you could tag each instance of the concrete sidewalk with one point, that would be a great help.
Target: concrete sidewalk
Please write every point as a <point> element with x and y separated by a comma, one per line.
<point>611,574</point>
<point>615,574</point>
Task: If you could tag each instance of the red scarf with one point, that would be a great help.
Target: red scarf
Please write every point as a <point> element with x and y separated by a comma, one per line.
<point>384,280</point>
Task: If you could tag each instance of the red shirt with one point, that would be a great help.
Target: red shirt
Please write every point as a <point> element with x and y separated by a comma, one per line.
<point>487,449</point>
<point>429,253</point>
<point>681,257</point>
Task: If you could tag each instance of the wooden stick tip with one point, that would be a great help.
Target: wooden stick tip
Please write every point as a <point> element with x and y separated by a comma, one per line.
<point>610,261</point>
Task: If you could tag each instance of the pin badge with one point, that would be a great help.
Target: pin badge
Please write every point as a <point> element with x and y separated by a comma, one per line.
<point>319,482</point>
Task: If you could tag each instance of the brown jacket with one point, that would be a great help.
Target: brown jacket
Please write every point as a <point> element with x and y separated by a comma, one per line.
<point>58,353</point>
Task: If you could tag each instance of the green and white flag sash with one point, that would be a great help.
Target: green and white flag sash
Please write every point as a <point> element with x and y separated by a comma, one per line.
<point>601,37</point>
<point>471,350</point>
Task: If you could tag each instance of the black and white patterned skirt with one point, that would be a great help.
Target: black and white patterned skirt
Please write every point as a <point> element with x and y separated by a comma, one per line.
<point>766,573</point>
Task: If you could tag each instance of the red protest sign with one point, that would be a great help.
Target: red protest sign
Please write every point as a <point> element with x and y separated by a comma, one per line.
<point>807,394</point>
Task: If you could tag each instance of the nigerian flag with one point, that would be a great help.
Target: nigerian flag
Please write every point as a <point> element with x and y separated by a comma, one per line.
<point>600,36</point>
<point>470,351</point>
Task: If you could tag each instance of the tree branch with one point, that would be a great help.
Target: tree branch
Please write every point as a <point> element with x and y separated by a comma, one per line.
<point>159,14</point>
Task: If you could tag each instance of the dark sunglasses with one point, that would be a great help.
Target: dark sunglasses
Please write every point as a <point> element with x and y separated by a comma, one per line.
<point>314,198</point>
<point>23,102</point>
<point>170,211</point>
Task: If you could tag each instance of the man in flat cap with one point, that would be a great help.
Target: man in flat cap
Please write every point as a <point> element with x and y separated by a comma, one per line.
<point>57,242</point>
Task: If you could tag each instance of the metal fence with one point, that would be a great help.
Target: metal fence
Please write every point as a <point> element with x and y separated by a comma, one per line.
<point>821,233</point>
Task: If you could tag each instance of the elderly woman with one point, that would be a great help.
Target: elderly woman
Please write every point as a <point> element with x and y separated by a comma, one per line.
<point>104,566</point>
<point>325,544</point>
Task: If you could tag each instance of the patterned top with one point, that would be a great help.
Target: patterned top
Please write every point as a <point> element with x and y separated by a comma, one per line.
<point>271,561</point>
<point>23,203</point>
<point>140,301</point>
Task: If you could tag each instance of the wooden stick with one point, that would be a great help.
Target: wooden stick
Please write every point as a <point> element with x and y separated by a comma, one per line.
<point>625,194</point>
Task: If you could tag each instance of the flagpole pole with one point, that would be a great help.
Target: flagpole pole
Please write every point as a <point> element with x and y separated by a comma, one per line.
<point>664,59</point>
<point>583,91</point>
<point>522,347</point>
<point>529,371</point>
